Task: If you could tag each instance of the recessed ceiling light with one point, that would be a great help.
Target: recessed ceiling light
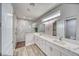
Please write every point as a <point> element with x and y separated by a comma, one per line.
<point>49,22</point>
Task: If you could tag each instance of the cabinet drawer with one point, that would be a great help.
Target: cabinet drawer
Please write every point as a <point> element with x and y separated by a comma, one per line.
<point>49,48</point>
<point>52,50</point>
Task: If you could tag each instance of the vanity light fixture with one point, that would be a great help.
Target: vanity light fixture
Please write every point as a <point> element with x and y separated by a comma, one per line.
<point>55,15</point>
<point>49,22</point>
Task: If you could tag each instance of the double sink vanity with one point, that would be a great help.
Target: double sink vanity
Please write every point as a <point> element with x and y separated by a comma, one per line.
<point>54,46</point>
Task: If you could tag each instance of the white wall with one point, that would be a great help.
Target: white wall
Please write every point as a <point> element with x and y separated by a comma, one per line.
<point>20,30</point>
<point>7,29</point>
<point>23,27</point>
<point>24,32</point>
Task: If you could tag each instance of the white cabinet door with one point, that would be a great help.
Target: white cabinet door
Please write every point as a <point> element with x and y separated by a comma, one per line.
<point>36,39</point>
<point>48,49</point>
<point>40,43</point>
<point>55,52</point>
<point>44,45</point>
<point>52,50</point>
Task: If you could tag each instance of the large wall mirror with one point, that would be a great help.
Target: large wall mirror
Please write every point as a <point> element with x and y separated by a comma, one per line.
<point>70,28</point>
<point>41,28</point>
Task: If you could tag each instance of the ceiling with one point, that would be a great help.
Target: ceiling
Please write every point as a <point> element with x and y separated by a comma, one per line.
<point>32,11</point>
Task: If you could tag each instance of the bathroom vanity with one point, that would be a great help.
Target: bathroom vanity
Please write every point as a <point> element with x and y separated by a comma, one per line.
<point>52,46</point>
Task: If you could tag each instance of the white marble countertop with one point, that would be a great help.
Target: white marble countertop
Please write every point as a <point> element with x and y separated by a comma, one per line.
<point>64,44</point>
